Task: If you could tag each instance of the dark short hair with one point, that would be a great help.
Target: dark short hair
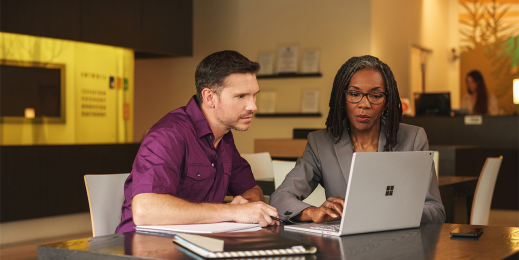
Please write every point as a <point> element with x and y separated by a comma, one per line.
<point>211,71</point>
<point>337,118</point>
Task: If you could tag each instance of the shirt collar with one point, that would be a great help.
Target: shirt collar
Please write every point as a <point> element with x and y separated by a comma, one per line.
<point>199,121</point>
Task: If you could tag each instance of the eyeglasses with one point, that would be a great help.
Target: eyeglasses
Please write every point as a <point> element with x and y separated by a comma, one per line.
<point>375,98</point>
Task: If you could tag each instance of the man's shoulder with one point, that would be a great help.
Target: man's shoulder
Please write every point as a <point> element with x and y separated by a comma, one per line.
<point>176,120</point>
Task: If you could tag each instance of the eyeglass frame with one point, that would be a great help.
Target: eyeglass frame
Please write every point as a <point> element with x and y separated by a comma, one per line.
<point>366,94</point>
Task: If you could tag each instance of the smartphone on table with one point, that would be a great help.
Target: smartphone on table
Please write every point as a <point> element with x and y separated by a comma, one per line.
<point>467,231</point>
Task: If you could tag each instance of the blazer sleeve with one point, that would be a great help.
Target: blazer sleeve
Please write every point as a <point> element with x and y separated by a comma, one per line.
<point>433,210</point>
<point>299,183</point>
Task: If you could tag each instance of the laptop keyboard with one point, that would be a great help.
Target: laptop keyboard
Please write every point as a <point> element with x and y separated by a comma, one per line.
<point>328,227</point>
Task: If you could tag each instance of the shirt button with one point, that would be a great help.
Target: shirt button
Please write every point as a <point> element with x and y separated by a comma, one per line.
<point>230,169</point>
<point>198,174</point>
<point>210,136</point>
<point>215,155</point>
<point>208,198</point>
<point>212,164</point>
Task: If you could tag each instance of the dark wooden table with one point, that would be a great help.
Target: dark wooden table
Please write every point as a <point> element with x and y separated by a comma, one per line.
<point>430,241</point>
<point>457,193</point>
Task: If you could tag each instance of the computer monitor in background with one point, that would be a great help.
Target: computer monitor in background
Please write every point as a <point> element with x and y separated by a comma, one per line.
<point>432,104</point>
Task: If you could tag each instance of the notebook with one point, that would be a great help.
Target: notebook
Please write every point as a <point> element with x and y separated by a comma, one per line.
<point>385,191</point>
<point>200,228</point>
<point>242,244</point>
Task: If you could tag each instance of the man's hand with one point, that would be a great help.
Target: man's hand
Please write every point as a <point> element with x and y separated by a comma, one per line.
<point>239,200</point>
<point>255,213</point>
<point>330,210</point>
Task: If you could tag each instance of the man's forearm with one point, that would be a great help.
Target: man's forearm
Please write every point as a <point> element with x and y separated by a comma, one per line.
<point>254,194</point>
<point>164,209</point>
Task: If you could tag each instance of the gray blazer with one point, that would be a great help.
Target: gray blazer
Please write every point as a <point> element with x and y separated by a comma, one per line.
<point>323,159</point>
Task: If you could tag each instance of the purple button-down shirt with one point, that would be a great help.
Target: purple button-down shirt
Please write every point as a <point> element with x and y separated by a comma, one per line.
<point>177,157</point>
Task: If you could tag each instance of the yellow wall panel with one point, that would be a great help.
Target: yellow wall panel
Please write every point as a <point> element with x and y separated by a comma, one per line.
<point>93,111</point>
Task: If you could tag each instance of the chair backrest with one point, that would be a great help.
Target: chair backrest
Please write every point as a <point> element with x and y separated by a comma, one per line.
<point>436,160</point>
<point>484,191</point>
<point>261,165</point>
<point>282,168</point>
<point>105,198</point>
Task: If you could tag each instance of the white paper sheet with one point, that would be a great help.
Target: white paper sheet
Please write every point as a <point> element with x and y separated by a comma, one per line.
<point>201,228</point>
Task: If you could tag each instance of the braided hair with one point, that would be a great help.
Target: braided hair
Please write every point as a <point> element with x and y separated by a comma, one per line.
<point>337,118</point>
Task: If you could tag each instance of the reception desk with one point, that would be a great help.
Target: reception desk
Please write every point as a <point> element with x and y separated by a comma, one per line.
<point>495,136</point>
<point>463,149</point>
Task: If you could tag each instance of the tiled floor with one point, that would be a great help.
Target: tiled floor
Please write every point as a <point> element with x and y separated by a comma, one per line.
<point>28,250</point>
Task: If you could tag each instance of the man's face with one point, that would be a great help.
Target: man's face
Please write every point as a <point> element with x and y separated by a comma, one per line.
<point>237,101</point>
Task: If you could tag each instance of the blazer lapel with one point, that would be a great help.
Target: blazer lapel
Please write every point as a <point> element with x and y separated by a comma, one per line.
<point>344,150</point>
<point>344,153</point>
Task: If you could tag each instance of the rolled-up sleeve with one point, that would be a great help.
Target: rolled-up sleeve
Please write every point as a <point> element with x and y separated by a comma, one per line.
<point>157,167</point>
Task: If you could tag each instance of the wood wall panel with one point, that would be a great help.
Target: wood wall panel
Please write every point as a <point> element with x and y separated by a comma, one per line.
<point>43,181</point>
<point>112,22</point>
<point>50,18</point>
<point>158,28</point>
<point>168,25</point>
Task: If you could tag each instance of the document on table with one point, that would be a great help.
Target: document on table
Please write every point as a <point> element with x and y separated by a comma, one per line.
<point>200,228</point>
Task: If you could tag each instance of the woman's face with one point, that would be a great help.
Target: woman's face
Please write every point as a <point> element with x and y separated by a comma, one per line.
<point>471,85</point>
<point>364,116</point>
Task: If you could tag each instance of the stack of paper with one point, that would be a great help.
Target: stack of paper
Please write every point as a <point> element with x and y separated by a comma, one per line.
<point>200,228</point>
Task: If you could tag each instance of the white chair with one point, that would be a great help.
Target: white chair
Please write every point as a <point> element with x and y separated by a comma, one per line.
<point>261,165</point>
<point>484,191</point>
<point>436,160</point>
<point>105,197</point>
<point>282,168</point>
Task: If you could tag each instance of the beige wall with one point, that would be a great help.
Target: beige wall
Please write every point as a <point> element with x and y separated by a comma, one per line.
<point>432,24</point>
<point>339,29</point>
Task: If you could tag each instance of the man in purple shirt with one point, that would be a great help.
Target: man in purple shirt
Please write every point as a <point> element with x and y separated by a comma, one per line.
<point>188,163</point>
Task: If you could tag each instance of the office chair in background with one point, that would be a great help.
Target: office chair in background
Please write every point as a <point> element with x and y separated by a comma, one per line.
<point>282,168</point>
<point>105,197</point>
<point>261,165</point>
<point>484,191</point>
<point>436,160</point>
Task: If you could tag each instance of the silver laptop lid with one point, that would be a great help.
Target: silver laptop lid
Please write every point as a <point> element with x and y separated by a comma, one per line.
<point>386,190</point>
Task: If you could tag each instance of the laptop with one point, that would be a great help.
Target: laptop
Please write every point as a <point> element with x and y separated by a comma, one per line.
<point>385,191</point>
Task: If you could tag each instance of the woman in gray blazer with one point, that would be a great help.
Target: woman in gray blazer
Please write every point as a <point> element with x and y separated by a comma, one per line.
<point>365,116</point>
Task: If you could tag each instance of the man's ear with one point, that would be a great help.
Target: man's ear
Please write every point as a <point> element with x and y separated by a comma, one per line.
<point>208,97</point>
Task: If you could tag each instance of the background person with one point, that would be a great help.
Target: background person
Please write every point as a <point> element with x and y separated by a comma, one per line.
<point>478,101</point>
<point>188,162</point>
<point>365,116</point>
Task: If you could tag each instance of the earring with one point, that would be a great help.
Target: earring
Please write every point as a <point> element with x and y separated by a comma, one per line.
<point>384,113</point>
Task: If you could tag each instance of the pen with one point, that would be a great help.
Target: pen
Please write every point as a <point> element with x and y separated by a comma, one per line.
<point>288,221</point>
<point>274,218</point>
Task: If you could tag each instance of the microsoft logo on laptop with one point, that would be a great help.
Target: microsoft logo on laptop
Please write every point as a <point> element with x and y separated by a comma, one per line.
<point>389,190</point>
